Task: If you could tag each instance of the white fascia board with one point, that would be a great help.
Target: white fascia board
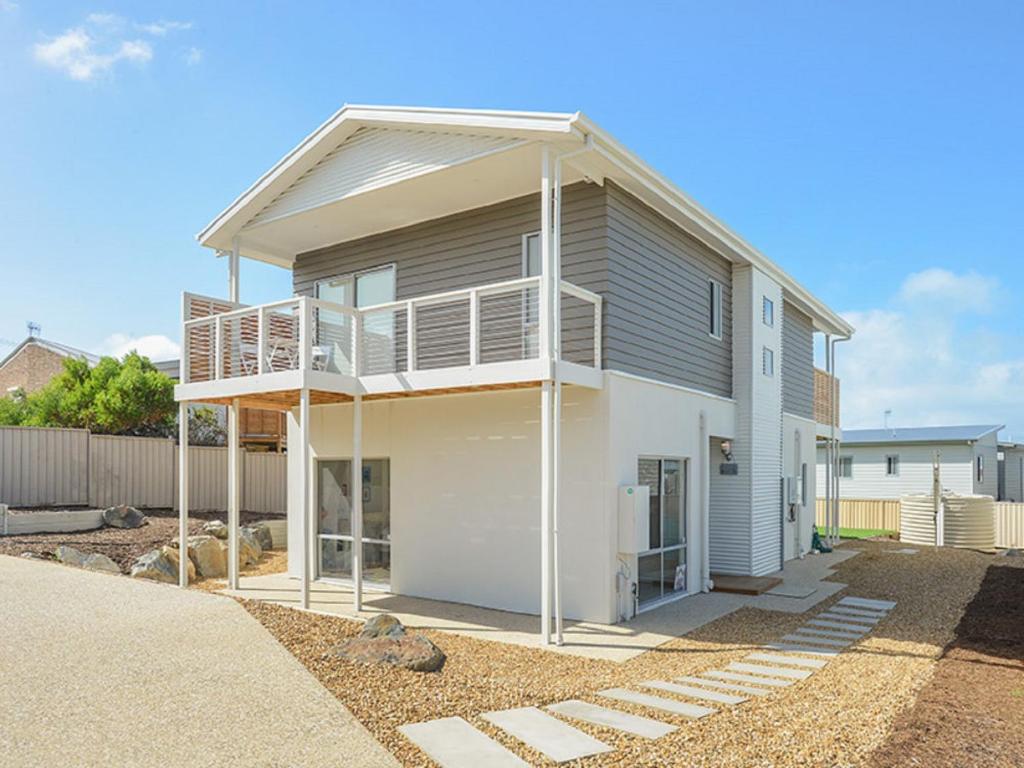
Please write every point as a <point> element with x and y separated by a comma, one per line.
<point>737,249</point>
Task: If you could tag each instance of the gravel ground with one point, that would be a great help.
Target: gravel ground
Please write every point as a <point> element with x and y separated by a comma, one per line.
<point>122,546</point>
<point>972,710</point>
<point>836,718</point>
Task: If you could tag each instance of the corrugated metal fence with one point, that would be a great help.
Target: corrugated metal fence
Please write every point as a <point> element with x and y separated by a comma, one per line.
<point>884,515</point>
<point>42,467</point>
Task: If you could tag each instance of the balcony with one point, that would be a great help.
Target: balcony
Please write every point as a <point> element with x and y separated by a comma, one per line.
<point>485,337</point>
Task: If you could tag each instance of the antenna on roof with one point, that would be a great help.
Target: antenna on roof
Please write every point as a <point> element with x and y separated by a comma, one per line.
<point>33,329</point>
<point>885,420</point>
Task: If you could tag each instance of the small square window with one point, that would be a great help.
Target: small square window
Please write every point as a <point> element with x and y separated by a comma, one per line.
<point>767,362</point>
<point>768,312</point>
<point>892,466</point>
<point>846,466</point>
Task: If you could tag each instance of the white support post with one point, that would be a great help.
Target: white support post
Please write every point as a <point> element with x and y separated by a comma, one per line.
<point>183,494</point>
<point>261,340</point>
<point>547,284</point>
<point>306,507</point>
<point>556,262</point>
<point>556,488</point>
<point>546,481</point>
<point>829,447</point>
<point>556,416</point>
<point>234,493</point>
<point>474,327</point>
<point>234,268</point>
<point>218,348</point>
<point>357,500</point>
<point>410,336</point>
<point>305,334</point>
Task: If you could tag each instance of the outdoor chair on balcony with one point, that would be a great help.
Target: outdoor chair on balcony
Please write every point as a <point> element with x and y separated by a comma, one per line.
<point>249,358</point>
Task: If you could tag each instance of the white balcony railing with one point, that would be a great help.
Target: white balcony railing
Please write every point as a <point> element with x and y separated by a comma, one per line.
<point>457,329</point>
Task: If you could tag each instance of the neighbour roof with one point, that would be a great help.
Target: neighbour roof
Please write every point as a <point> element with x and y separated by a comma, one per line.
<point>61,349</point>
<point>952,434</point>
<point>573,132</point>
<point>170,367</point>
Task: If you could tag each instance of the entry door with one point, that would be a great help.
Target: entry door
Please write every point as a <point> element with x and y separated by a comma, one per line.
<point>662,568</point>
<point>334,529</point>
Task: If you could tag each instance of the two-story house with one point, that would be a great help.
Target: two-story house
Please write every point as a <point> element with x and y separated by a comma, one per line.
<point>505,330</point>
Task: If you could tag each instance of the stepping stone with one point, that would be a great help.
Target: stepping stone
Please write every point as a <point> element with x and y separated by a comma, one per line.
<point>839,627</point>
<point>725,686</point>
<point>819,632</point>
<point>612,718</point>
<point>758,669</point>
<point>548,735</point>
<point>857,612</point>
<point>694,711</point>
<point>451,742</point>
<point>695,693</point>
<point>770,682</point>
<point>793,648</point>
<point>795,661</point>
<point>863,602</point>
<point>815,640</point>
<point>844,619</point>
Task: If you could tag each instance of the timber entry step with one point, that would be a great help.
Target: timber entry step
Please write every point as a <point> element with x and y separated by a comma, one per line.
<point>744,585</point>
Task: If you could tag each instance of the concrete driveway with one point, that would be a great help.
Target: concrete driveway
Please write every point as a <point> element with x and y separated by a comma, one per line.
<point>99,670</point>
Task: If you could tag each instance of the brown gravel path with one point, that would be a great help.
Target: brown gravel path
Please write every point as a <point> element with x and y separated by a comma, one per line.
<point>836,718</point>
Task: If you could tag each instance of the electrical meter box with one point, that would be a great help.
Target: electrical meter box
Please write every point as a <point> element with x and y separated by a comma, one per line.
<point>634,519</point>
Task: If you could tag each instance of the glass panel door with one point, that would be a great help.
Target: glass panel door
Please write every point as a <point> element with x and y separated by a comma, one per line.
<point>332,344</point>
<point>662,568</point>
<point>334,528</point>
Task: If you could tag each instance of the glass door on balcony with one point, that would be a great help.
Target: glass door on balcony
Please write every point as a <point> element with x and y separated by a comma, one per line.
<point>334,529</point>
<point>360,289</point>
<point>662,568</point>
<point>531,297</point>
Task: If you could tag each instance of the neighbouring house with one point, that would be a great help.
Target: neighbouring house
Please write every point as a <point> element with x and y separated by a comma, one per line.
<point>520,368</point>
<point>30,365</point>
<point>889,463</point>
<point>1011,472</point>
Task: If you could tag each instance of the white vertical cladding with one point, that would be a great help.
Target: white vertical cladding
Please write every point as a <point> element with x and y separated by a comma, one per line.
<point>988,449</point>
<point>799,535</point>
<point>746,533</point>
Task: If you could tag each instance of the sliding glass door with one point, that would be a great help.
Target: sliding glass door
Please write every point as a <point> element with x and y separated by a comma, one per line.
<point>334,529</point>
<point>662,568</point>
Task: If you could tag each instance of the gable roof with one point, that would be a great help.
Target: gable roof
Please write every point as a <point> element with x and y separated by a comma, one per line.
<point>61,349</point>
<point>952,434</point>
<point>491,131</point>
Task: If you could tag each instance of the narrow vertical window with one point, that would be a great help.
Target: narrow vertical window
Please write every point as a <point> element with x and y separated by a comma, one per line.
<point>715,309</point>
<point>846,466</point>
<point>767,362</point>
<point>768,311</point>
<point>892,466</point>
<point>981,469</point>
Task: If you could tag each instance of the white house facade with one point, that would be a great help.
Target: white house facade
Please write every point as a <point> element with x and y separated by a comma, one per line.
<point>561,387</point>
<point>889,463</point>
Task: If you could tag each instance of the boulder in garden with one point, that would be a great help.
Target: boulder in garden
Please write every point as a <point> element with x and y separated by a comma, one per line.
<point>155,565</point>
<point>123,516</point>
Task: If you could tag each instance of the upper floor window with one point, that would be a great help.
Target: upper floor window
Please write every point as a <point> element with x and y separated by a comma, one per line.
<point>768,312</point>
<point>715,309</point>
<point>892,465</point>
<point>531,255</point>
<point>767,362</point>
<point>980,472</point>
<point>846,466</point>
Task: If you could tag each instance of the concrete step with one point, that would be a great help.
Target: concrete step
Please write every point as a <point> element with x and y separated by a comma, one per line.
<point>724,686</point>
<point>644,727</point>
<point>796,648</point>
<point>847,611</point>
<point>693,711</point>
<point>815,628</point>
<point>794,661</point>
<point>550,736</point>
<point>693,693</point>
<point>451,742</point>
<point>737,677</point>
<point>850,629</point>
<point>763,669</point>
<point>863,602</point>
<point>815,639</point>
<point>842,618</point>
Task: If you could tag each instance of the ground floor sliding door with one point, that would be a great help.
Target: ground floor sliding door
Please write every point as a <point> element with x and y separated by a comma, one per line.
<point>662,568</point>
<point>334,513</point>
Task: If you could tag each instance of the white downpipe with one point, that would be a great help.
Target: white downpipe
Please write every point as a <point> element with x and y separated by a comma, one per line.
<point>834,384</point>
<point>828,447</point>
<point>798,475</point>
<point>307,507</point>
<point>556,416</point>
<point>234,493</point>
<point>357,500</point>
<point>547,289</point>
<point>183,494</point>
<point>705,504</point>
<point>546,482</point>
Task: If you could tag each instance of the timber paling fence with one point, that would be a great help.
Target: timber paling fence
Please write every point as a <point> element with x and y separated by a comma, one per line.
<point>48,467</point>
<point>884,515</point>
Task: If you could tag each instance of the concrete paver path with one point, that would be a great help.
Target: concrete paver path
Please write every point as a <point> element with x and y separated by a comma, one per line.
<point>100,670</point>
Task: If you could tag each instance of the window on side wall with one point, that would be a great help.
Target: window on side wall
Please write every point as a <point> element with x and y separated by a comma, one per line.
<point>767,362</point>
<point>846,466</point>
<point>715,309</point>
<point>768,311</point>
<point>980,472</point>
<point>892,465</point>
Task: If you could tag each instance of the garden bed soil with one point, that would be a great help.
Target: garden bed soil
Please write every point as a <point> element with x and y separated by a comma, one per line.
<point>122,545</point>
<point>836,718</point>
<point>971,713</point>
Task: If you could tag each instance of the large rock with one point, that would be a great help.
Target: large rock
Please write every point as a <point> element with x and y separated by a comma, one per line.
<point>383,625</point>
<point>262,533</point>
<point>413,652</point>
<point>123,516</point>
<point>155,565</point>
<point>216,528</point>
<point>100,562</point>
<point>174,555</point>
<point>209,556</point>
<point>249,549</point>
<point>70,556</point>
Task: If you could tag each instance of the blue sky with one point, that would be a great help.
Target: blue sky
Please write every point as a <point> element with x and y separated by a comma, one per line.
<point>872,149</point>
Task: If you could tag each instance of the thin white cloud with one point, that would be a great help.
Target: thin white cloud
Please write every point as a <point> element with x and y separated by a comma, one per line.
<point>8,6</point>
<point>161,28</point>
<point>155,346</point>
<point>193,56</point>
<point>108,20</point>
<point>929,364</point>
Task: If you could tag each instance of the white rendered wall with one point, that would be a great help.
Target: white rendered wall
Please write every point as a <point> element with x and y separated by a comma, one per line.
<point>797,535</point>
<point>869,480</point>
